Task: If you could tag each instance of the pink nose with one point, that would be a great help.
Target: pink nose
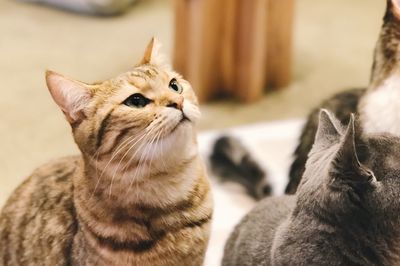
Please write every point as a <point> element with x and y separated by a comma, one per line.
<point>177,103</point>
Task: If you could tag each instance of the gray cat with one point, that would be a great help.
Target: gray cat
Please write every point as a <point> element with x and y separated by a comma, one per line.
<point>377,105</point>
<point>346,210</point>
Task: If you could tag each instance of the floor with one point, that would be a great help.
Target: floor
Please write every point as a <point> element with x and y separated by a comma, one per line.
<point>333,48</point>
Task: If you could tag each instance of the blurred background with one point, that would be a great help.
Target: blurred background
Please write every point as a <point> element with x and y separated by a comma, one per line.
<point>331,50</point>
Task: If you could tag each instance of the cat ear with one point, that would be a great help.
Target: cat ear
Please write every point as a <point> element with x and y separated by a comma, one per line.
<point>70,95</point>
<point>346,163</point>
<point>393,7</point>
<point>152,54</point>
<point>329,130</point>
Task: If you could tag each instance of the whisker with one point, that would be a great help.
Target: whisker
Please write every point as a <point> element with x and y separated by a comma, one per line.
<point>153,147</point>
<point>162,152</point>
<point>151,150</point>
<point>114,154</point>
<point>140,166</point>
<point>141,158</point>
<point>95,158</point>
<point>123,157</point>
<point>126,153</point>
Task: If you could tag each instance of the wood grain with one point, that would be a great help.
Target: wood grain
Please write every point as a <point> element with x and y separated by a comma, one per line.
<point>279,47</point>
<point>233,47</point>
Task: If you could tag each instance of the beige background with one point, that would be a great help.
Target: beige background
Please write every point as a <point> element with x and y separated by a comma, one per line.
<point>333,47</point>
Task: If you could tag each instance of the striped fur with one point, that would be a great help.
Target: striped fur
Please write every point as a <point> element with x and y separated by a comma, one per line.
<point>137,195</point>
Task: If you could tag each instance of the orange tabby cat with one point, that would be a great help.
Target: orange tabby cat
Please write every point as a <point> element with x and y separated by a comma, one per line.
<point>138,193</point>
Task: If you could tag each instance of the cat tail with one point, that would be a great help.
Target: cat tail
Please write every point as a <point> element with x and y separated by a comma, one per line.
<point>231,161</point>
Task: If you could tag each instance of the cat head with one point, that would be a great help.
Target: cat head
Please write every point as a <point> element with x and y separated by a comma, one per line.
<point>143,114</point>
<point>349,173</point>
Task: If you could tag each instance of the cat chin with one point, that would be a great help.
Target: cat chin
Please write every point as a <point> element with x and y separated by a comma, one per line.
<point>183,124</point>
<point>191,111</point>
<point>179,135</point>
<point>176,137</point>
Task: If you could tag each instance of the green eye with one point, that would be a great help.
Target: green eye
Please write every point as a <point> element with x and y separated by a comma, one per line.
<point>137,100</point>
<point>174,85</point>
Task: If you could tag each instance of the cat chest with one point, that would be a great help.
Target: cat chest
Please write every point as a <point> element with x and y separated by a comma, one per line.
<point>380,109</point>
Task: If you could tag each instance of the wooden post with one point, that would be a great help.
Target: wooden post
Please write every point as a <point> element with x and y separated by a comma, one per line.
<point>233,46</point>
<point>200,60</point>
<point>182,35</point>
<point>279,47</point>
<point>251,49</point>
<point>228,46</point>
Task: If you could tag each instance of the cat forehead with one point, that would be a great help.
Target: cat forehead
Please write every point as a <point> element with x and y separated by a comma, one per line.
<point>145,77</point>
<point>147,73</point>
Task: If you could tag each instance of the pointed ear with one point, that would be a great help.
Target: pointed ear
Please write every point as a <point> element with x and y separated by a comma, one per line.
<point>70,95</point>
<point>152,54</point>
<point>393,8</point>
<point>346,164</point>
<point>329,130</point>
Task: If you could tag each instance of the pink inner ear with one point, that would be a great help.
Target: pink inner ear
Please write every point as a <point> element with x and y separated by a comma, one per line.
<point>396,8</point>
<point>71,96</point>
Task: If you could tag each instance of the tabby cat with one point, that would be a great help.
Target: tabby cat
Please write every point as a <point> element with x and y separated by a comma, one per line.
<point>378,106</point>
<point>346,211</point>
<point>138,193</point>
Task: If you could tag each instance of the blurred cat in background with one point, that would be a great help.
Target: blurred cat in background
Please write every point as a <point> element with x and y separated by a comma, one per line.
<point>346,211</point>
<point>231,161</point>
<point>90,7</point>
<point>137,195</point>
<point>378,108</point>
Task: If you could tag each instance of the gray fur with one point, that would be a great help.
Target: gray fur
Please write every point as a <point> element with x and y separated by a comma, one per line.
<point>346,210</point>
<point>342,105</point>
<point>352,101</point>
<point>251,241</point>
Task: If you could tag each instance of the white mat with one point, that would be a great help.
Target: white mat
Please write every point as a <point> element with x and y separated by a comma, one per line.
<point>273,145</point>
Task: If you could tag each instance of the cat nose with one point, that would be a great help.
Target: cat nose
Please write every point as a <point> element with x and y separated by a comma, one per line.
<point>177,103</point>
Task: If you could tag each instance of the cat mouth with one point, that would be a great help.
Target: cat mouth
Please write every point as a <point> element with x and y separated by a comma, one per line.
<point>183,120</point>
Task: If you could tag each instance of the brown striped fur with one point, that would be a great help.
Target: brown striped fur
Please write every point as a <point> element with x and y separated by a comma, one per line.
<point>137,195</point>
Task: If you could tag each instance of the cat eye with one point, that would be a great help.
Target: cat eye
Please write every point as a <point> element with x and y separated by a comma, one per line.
<point>137,100</point>
<point>174,85</point>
